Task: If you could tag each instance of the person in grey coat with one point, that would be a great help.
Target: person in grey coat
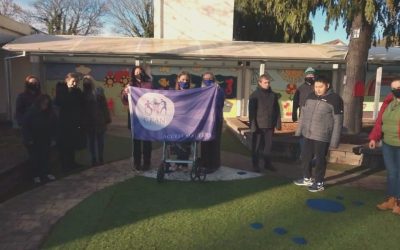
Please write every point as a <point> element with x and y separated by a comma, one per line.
<point>264,117</point>
<point>320,124</point>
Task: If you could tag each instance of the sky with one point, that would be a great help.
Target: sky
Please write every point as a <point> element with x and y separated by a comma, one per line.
<point>321,36</point>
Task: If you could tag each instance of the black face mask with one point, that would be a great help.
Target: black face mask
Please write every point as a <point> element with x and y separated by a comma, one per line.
<point>33,87</point>
<point>309,80</point>
<point>396,93</point>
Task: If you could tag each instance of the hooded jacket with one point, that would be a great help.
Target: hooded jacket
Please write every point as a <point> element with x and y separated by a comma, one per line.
<point>322,118</point>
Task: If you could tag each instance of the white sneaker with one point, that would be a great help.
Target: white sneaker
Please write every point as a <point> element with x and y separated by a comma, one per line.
<point>36,180</point>
<point>51,177</point>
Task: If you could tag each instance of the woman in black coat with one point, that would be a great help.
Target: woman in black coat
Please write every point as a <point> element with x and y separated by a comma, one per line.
<point>95,118</point>
<point>139,79</point>
<point>38,130</point>
<point>71,137</point>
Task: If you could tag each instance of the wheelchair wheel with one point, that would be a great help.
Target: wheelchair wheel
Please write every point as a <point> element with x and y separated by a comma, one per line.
<point>197,172</point>
<point>160,173</point>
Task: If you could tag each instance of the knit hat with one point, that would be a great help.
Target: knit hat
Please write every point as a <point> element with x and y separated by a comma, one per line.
<point>309,70</point>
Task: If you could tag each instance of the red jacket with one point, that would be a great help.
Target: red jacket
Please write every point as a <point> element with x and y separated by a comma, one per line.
<point>376,133</point>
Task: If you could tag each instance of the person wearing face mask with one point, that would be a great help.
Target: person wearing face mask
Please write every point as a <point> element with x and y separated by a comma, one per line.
<point>320,125</point>
<point>303,91</point>
<point>182,150</point>
<point>71,137</point>
<point>139,79</point>
<point>299,100</point>
<point>26,98</point>
<point>38,130</point>
<point>211,150</point>
<point>264,117</point>
<point>387,129</point>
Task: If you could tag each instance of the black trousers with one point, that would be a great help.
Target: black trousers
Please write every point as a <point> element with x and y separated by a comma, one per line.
<point>39,153</point>
<point>141,147</point>
<point>319,150</point>
<point>261,144</point>
<point>96,140</point>
<point>211,150</point>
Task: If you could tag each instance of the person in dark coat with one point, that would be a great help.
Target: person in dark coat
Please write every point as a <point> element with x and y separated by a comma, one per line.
<point>139,79</point>
<point>69,100</point>
<point>264,117</point>
<point>26,98</point>
<point>211,150</point>
<point>38,130</point>
<point>96,116</point>
<point>302,92</point>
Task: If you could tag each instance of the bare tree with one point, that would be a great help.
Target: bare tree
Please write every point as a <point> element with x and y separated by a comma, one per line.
<point>10,9</point>
<point>70,17</point>
<point>133,17</point>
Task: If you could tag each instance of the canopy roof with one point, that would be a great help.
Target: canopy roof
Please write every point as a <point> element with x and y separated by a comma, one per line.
<point>167,48</point>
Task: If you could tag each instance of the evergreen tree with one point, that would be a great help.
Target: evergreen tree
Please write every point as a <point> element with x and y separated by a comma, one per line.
<point>365,21</point>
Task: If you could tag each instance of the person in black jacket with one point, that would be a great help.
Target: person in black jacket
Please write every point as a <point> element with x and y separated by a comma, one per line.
<point>38,130</point>
<point>140,79</point>
<point>26,98</point>
<point>71,137</point>
<point>301,94</point>
<point>211,150</point>
<point>95,118</point>
<point>264,117</point>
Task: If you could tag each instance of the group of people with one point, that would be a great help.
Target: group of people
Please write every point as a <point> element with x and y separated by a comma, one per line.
<point>319,125</point>
<point>74,119</point>
<point>320,122</point>
<point>210,150</point>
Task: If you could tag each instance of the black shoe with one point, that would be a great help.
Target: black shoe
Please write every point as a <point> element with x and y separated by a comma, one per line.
<point>137,166</point>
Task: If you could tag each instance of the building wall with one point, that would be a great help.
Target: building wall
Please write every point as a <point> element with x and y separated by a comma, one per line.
<point>20,68</point>
<point>192,19</point>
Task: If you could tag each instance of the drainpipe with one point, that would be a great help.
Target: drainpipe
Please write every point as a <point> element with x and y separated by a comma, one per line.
<point>8,71</point>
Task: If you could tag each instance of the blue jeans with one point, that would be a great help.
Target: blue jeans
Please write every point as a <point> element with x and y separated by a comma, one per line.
<point>391,156</point>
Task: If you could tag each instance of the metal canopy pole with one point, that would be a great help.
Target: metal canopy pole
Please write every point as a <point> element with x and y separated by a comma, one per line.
<point>378,82</point>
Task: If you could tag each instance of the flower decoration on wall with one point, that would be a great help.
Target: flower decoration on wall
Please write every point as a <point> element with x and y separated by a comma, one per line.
<point>291,90</point>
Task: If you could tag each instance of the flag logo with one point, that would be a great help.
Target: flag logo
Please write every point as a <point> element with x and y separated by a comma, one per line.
<point>154,111</point>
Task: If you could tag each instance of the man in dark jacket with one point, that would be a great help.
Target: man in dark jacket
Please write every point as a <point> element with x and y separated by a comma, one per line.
<point>26,98</point>
<point>264,116</point>
<point>320,124</point>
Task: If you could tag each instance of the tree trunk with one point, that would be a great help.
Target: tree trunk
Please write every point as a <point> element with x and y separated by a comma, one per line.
<point>356,64</point>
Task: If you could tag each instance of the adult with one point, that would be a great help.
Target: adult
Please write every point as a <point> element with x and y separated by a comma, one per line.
<point>183,149</point>
<point>26,98</point>
<point>139,79</point>
<point>302,92</point>
<point>320,124</point>
<point>96,116</point>
<point>38,130</point>
<point>69,100</point>
<point>387,129</point>
<point>211,150</point>
<point>264,117</point>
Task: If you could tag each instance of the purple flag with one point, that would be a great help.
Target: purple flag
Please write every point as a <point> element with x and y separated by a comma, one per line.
<point>173,115</point>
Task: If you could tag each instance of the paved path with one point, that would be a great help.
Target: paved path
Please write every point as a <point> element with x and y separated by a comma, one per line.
<point>27,218</point>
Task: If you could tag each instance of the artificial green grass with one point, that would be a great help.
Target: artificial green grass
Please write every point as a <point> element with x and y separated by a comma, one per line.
<point>230,143</point>
<point>142,214</point>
